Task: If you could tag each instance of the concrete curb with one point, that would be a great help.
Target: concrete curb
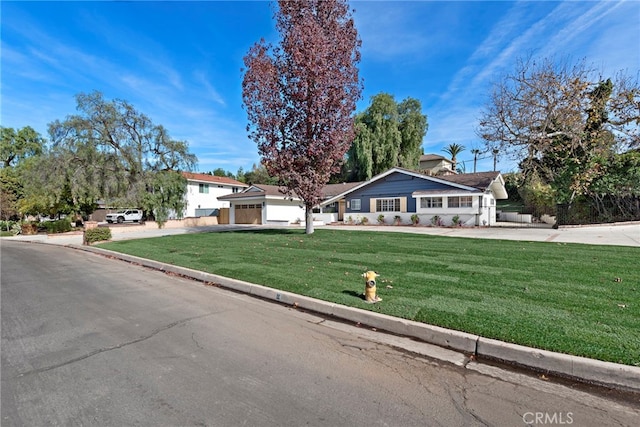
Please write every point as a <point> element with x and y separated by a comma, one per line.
<point>582,369</point>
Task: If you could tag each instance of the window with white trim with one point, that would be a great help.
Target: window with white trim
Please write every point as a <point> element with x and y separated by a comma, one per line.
<point>460,202</point>
<point>355,204</point>
<point>203,188</point>
<point>430,202</point>
<point>388,205</point>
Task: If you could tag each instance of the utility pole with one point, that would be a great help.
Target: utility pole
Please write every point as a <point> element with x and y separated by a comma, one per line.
<point>475,152</point>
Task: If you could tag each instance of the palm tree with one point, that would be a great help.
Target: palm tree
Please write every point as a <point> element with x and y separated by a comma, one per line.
<point>453,150</point>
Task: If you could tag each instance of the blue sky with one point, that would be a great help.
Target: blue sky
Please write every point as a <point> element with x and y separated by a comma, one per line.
<point>179,62</point>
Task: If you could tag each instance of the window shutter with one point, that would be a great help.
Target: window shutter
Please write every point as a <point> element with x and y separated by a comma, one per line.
<point>372,205</point>
<point>403,204</point>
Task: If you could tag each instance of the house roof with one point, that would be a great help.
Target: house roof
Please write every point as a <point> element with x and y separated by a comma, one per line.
<point>273,191</point>
<point>203,177</point>
<point>472,182</point>
<point>331,190</point>
<point>256,191</point>
<point>479,180</point>
<point>429,157</point>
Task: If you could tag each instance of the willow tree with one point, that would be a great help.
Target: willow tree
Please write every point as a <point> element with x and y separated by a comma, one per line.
<point>389,134</point>
<point>300,96</point>
<point>111,151</point>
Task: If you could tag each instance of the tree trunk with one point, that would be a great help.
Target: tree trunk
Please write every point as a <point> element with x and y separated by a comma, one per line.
<point>308,219</point>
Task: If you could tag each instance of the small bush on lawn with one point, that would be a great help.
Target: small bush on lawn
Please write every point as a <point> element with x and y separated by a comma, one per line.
<point>59,226</point>
<point>99,234</point>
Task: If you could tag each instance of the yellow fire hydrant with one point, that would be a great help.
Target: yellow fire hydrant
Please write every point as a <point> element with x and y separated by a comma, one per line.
<point>370,293</point>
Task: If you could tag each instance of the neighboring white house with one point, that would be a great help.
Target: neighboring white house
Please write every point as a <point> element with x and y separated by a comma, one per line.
<point>203,191</point>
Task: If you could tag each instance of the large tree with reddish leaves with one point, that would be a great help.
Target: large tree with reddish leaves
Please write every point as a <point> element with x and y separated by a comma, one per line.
<point>300,96</point>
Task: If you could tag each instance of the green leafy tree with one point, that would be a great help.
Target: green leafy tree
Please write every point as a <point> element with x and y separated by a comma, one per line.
<point>16,146</point>
<point>240,175</point>
<point>388,134</point>
<point>223,173</point>
<point>413,128</point>
<point>113,152</point>
<point>10,194</point>
<point>300,96</point>
<point>615,191</point>
<point>165,195</point>
<point>558,120</point>
<point>259,175</point>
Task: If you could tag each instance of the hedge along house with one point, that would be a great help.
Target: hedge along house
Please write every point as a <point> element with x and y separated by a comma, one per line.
<point>468,198</point>
<point>203,191</point>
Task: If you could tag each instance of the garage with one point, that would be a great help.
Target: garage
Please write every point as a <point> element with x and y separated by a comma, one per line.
<point>248,213</point>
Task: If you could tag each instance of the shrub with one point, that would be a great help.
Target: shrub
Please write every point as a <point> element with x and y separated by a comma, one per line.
<point>415,219</point>
<point>437,221</point>
<point>10,228</point>
<point>98,234</point>
<point>397,219</point>
<point>364,220</point>
<point>456,221</point>
<point>29,228</point>
<point>380,219</point>
<point>59,226</point>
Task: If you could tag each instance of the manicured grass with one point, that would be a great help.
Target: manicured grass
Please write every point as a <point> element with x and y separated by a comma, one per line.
<point>571,298</point>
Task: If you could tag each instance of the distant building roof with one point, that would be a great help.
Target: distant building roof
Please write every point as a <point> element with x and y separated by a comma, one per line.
<point>429,157</point>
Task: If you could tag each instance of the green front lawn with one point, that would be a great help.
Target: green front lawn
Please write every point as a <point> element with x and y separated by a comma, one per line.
<point>571,298</point>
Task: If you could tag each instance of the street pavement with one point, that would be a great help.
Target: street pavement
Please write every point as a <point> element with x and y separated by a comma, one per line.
<point>577,368</point>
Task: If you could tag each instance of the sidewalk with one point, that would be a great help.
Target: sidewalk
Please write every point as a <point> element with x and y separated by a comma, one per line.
<point>577,368</point>
<point>619,234</point>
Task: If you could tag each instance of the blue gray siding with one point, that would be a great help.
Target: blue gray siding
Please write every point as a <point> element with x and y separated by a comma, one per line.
<point>393,185</point>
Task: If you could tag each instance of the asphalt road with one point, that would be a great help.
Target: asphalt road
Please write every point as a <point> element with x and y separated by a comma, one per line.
<point>88,340</point>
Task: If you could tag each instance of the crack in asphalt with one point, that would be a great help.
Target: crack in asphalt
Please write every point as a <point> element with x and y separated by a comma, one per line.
<point>115,347</point>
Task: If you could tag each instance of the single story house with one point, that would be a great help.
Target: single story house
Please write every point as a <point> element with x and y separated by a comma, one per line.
<point>263,204</point>
<point>468,199</point>
<point>266,204</point>
<point>203,191</point>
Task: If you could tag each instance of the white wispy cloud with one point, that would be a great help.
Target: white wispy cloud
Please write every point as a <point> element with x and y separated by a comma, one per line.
<point>201,78</point>
<point>387,31</point>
